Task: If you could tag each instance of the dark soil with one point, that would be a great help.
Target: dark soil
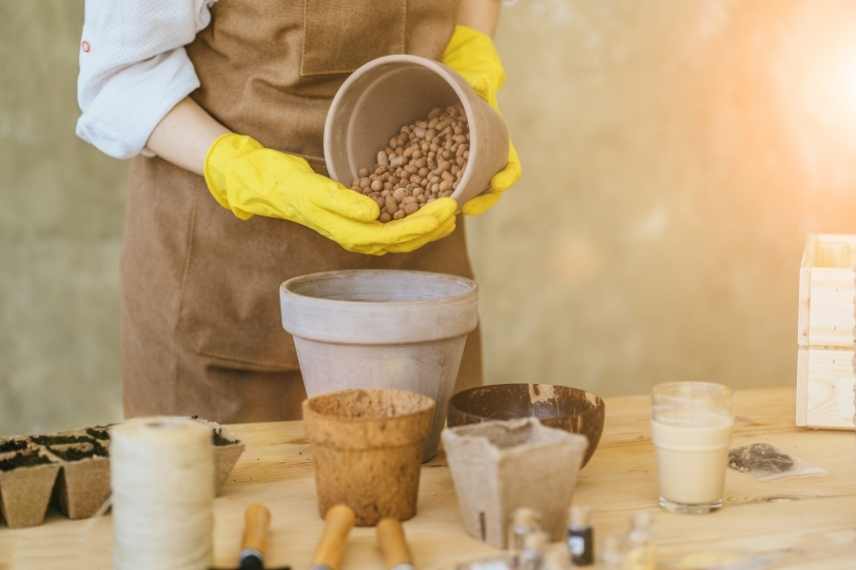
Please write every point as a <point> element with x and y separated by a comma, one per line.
<point>23,459</point>
<point>61,439</point>
<point>12,445</point>
<point>100,449</point>
<point>76,454</point>
<point>99,432</point>
<point>217,436</point>
<point>219,439</point>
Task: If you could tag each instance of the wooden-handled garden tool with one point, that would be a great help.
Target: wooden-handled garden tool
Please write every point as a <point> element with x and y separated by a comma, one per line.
<point>254,541</point>
<point>393,545</point>
<point>331,548</point>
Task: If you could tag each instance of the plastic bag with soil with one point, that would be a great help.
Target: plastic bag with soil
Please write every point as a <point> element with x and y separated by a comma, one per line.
<point>765,462</point>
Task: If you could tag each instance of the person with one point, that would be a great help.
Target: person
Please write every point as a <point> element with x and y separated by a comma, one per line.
<point>222,106</point>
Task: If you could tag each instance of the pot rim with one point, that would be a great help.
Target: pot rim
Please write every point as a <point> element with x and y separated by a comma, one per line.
<point>596,401</point>
<point>459,434</point>
<point>428,406</point>
<point>287,287</point>
<point>439,70</point>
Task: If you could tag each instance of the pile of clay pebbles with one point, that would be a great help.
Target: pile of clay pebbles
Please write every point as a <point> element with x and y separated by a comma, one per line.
<point>421,163</point>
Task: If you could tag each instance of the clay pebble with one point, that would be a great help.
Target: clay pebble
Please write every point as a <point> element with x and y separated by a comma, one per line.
<point>422,162</point>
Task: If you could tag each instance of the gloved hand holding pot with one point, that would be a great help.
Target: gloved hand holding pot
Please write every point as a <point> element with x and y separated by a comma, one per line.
<point>402,130</point>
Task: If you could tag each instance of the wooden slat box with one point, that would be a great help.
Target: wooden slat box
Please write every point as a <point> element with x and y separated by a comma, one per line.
<point>826,335</point>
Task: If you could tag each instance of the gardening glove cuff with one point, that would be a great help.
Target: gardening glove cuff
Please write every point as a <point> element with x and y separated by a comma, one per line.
<point>472,54</point>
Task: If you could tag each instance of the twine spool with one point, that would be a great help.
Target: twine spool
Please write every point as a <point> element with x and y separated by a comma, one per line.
<point>162,478</point>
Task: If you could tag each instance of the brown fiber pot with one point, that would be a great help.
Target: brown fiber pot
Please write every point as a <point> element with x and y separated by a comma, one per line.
<point>395,90</point>
<point>367,450</point>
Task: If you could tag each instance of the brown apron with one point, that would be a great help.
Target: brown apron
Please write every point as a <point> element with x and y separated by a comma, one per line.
<point>201,331</point>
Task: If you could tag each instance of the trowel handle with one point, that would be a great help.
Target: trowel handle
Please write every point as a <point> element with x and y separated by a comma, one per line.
<point>393,545</point>
<point>331,548</point>
<point>256,525</point>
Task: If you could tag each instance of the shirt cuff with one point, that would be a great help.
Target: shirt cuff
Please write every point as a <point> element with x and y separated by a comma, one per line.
<point>129,107</point>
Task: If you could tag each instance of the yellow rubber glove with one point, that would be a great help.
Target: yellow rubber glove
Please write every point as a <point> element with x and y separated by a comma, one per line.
<point>473,55</point>
<point>249,179</point>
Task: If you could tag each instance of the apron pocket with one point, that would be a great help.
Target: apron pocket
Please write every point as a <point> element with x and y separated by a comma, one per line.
<point>229,308</point>
<point>338,37</point>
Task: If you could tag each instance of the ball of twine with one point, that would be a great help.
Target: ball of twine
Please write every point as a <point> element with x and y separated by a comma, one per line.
<point>162,477</point>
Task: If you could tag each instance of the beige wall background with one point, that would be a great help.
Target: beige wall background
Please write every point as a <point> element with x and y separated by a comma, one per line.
<point>675,155</point>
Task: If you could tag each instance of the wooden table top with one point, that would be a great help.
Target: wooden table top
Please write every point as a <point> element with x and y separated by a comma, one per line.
<point>806,523</point>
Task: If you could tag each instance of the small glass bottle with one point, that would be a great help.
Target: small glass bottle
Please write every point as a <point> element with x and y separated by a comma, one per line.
<point>524,521</point>
<point>640,546</point>
<point>534,549</point>
<point>611,555</point>
<point>580,537</point>
<point>504,561</point>
<point>557,558</point>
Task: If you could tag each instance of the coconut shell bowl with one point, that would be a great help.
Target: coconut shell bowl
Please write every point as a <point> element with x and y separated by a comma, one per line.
<point>562,407</point>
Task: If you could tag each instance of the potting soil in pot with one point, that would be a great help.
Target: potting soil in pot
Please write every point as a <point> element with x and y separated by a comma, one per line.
<point>12,445</point>
<point>421,163</point>
<point>99,432</point>
<point>219,439</point>
<point>365,404</point>
<point>78,452</point>
<point>22,459</point>
<point>60,439</point>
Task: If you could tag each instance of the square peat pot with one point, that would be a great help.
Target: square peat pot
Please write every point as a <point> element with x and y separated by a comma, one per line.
<point>501,466</point>
<point>27,477</point>
<point>83,484</point>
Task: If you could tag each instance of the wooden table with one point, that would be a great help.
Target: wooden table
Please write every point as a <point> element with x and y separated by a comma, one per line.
<point>807,523</point>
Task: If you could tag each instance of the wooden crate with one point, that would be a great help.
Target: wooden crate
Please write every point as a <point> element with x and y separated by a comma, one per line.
<point>826,335</point>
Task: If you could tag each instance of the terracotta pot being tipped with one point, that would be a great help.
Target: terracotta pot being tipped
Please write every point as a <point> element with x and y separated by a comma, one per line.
<point>367,450</point>
<point>395,90</point>
<point>381,329</point>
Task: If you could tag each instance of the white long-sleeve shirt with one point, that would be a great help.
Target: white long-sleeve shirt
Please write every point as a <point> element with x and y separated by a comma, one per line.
<point>134,68</point>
